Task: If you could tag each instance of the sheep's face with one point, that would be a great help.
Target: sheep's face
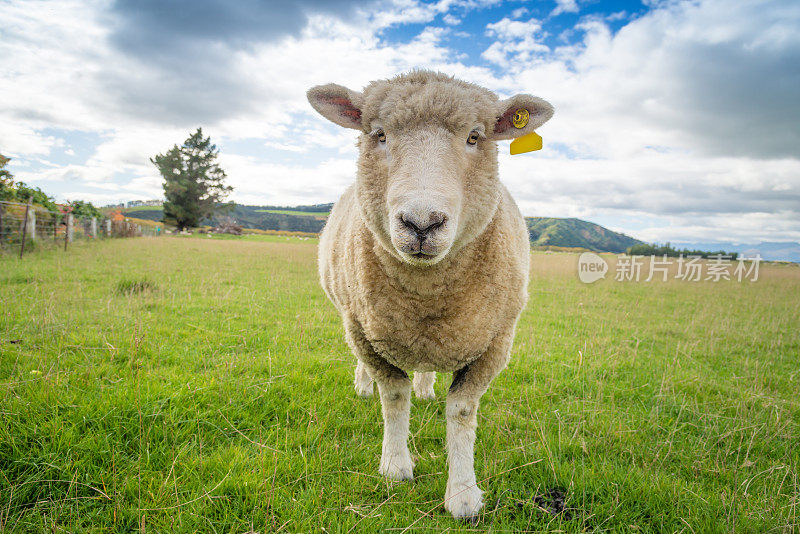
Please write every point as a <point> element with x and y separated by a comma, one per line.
<point>427,172</point>
<point>420,177</point>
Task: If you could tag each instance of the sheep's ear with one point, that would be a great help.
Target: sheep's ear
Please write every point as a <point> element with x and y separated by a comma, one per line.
<point>520,115</point>
<point>337,104</point>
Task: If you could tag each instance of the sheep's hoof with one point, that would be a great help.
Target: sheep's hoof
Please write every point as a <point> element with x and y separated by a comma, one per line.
<point>397,467</point>
<point>464,502</point>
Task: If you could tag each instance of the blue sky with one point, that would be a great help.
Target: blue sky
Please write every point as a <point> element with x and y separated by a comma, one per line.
<point>675,121</point>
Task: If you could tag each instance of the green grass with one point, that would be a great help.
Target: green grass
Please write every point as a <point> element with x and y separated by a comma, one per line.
<point>218,397</point>
<point>133,286</point>
<point>298,213</point>
<point>142,208</point>
<point>256,238</point>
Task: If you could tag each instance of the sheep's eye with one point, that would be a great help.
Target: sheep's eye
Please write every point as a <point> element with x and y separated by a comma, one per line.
<point>381,136</point>
<point>473,138</point>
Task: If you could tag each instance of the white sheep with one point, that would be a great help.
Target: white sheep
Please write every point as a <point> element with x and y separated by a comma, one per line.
<point>426,255</point>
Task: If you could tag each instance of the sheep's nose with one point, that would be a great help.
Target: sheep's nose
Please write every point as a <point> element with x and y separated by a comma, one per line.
<point>423,225</point>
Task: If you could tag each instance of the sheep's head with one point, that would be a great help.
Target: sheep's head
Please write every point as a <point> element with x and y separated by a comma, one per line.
<point>427,172</point>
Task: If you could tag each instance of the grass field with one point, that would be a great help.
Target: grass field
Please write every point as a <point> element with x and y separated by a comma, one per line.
<point>143,208</point>
<point>298,213</point>
<point>203,384</point>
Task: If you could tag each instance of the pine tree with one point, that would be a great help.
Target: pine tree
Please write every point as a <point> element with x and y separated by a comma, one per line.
<point>194,185</point>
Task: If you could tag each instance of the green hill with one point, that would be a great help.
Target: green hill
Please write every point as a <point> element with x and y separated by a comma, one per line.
<point>276,218</point>
<point>291,219</point>
<point>544,231</point>
<point>150,213</point>
<point>574,233</point>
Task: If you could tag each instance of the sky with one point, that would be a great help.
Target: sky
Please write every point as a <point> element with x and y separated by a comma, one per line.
<point>674,121</point>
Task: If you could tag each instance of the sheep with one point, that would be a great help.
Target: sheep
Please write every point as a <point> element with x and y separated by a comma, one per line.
<point>426,255</point>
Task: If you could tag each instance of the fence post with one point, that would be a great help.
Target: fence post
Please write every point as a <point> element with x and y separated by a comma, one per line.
<point>94,227</point>
<point>55,227</point>
<point>1,224</point>
<point>25,227</point>
<point>108,227</point>
<point>32,222</point>
<point>68,230</point>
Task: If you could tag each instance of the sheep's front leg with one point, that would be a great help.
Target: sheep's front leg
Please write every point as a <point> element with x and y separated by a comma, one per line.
<point>463,497</point>
<point>394,388</point>
<point>396,404</point>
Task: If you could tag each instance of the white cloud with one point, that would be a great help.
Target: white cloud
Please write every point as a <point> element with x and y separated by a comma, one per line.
<point>516,40</point>
<point>17,139</point>
<point>408,11</point>
<point>51,51</point>
<point>565,6</point>
<point>519,12</point>
<point>507,29</point>
<point>287,184</point>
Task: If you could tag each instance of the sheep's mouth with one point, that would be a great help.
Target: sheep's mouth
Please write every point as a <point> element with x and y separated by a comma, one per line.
<point>422,259</point>
<point>419,252</point>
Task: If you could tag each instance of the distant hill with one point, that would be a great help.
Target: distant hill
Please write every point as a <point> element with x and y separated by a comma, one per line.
<point>544,231</point>
<point>278,217</point>
<point>150,213</point>
<point>292,219</point>
<point>549,231</point>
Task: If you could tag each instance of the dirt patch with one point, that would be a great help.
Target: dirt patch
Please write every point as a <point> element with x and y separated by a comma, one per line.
<point>552,502</point>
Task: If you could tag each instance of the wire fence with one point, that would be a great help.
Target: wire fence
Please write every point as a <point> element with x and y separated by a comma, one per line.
<point>27,226</point>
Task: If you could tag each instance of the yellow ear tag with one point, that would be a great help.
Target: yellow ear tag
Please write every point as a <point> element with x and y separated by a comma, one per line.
<point>526,143</point>
<point>520,118</point>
